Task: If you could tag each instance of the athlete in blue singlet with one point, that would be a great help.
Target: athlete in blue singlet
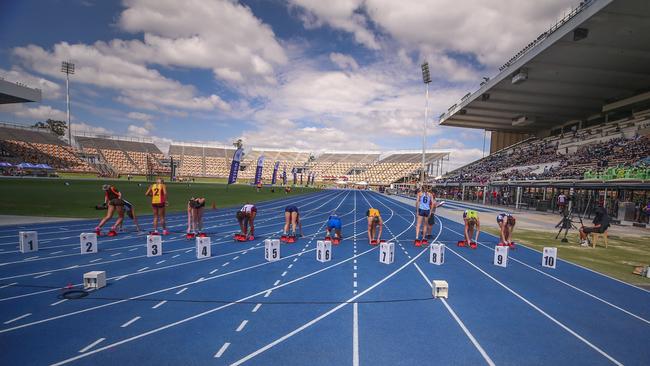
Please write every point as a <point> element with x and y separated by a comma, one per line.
<point>334,223</point>
<point>423,211</point>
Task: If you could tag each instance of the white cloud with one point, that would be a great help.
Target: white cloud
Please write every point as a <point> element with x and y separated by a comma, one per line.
<point>339,14</point>
<point>82,127</point>
<point>139,116</point>
<point>344,61</point>
<point>40,113</point>
<point>222,36</point>
<point>50,90</point>
<point>138,130</point>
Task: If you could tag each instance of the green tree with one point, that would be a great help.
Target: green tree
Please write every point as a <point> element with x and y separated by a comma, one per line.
<point>57,127</point>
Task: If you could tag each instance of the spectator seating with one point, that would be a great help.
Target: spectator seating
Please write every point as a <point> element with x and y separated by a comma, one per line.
<point>125,156</point>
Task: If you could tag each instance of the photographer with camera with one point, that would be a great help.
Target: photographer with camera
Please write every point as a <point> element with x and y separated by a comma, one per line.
<point>601,223</point>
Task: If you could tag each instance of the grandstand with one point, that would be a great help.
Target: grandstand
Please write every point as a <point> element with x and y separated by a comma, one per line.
<point>573,104</point>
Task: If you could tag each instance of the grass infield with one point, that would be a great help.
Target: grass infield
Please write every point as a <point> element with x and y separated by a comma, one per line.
<point>618,260</point>
<point>51,197</point>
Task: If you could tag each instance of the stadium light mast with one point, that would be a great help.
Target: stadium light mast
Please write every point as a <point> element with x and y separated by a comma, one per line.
<point>67,68</point>
<point>426,78</point>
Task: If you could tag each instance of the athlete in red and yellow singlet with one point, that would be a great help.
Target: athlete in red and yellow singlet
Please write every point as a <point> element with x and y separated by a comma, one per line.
<point>158,194</point>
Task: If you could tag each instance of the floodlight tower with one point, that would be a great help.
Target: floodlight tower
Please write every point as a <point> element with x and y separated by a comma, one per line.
<point>426,78</point>
<point>67,68</point>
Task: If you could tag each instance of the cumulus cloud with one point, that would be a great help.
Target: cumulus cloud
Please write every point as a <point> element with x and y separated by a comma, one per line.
<point>82,127</point>
<point>344,61</point>
<point>40,113</point>
<point>139,116</point>
<point>50,89</point>
<point>343,15</point>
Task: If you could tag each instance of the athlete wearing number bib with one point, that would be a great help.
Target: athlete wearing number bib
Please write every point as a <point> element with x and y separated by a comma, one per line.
<point>112,198</point>
<point>506,224</point>
<point>334,223</point>
<point>374,222</point>
<point>158,194</point>
<point>245,216</point>
<point>423,207</point>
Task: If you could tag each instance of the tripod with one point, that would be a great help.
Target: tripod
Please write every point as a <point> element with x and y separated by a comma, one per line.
<point>566,222</point>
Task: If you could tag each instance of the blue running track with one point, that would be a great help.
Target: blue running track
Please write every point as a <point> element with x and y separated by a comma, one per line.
<point>236,308</point>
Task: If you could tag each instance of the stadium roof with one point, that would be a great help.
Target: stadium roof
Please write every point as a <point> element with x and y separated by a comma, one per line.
<point>17,93</point>
<point>597,54</point>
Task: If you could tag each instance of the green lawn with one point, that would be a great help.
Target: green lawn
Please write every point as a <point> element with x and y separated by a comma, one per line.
<point>51,197</point>
<point>618,260</point>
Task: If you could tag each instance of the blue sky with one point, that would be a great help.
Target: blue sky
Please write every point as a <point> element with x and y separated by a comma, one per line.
<point>309,74</point>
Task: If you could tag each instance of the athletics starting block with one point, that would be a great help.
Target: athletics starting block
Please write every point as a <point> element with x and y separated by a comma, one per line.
<point>336,241</point>
<point>203,248</point>
<point>202,235</point>
<point>437,254</point>
<point>386,253</point>
<point>94,280</point>
<point>154,245</point>
<point>323,251</point>
<point>28,241</point>
<point>473,245</point>
<point>440,289</point>
<point>283,238</point>
<point>272,250</point>
<point>549,257</point>
<point>373,242</point>
<point>328,238</point>
<point>112,233</point>
<point>461,243</point>
<point>88,243</point>
<point>291,239</point>
<point>240,237</point>
<point>189,236</point>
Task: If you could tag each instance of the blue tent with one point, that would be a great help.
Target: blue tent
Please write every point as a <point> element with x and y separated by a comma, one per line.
<point>4,164</point>
<point>43,166</point>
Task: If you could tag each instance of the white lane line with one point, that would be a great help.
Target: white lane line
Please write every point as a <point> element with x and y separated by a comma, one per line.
<point>244,252</point>
<point>177,255</point>
<point>295,260</point>
<point>538,309</point>
<point>355,261</point>
<point>57,252</point>
<point>354,275</point>
<point>130,250</point>
<point>291,265</point>
<point>276,283</point>
<point>469,334</point>
<point>237,257</point>
<point>574,287</point>
<point>159,304</point>
<point>256,308</point>
<point>181,291</point>
<point>355,334</point>
<point>214,270</point>
<point>241,326</point>
<point>354,292</point>
<point>43,275</point>
<point>30,258</point>
<point>268,293</point>
<point>354,284</point>
<point>17,318</point>
<point>119,278</point>
<point>100,340</point>
<point>58,302</point>
<point>129,322</point>
<point>354,268</point>
<point>143,269</point>
<point>225,264</point>
<point>113,255</point>
<point>95,260</point>
<point>222,350</point>
<point>201,279</point>
<point>162,261</point>
<point>189,250</point>
<point>283,274</point>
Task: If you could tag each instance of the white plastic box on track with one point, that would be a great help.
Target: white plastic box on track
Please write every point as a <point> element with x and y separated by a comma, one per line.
<point>88,242</point>
<point>272,249</point>
<point>501,256</point>
<point>437,254</point>
<point>203,249</point>
<point>549,257</point>
<point>94,280</point>
<point>28,241</point>
<point>323,250</point>
<point>386,253</point>
<point>154,245</point>
<point>440,289</point>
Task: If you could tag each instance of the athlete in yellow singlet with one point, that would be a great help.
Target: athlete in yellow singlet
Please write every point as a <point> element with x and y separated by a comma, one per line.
<point>158,194</point>
<point>472,224</point>
<point>374,222</point>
